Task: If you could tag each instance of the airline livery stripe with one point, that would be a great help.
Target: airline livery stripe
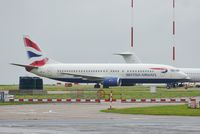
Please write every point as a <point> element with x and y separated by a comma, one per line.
<point>31,54</point>
<point>158,68</point>
<point>33,50</point>
<point>39,63</point>
<point>31,44</point>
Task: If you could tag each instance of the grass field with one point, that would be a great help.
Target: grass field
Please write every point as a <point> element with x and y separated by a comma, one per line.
<point>49,87</point>
<point>87,91</point>
<point>177,110</point>
<point>8,87</point>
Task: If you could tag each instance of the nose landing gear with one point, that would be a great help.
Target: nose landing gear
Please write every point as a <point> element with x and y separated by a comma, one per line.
<point>171,85</point>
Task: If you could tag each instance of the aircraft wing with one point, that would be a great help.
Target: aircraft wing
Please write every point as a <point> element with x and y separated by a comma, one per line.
<point>85,77</point>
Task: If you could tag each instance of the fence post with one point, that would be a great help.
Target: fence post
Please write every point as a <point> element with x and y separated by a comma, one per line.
<point>111,99</point>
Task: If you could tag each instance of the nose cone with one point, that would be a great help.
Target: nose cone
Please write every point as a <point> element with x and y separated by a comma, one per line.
<point>183,75</point>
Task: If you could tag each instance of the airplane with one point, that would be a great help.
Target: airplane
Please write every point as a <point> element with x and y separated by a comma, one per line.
<point>101,74</point>
<point>192,73</point>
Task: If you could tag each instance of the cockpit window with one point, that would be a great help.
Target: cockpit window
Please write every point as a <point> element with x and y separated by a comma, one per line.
<point>174,70</point>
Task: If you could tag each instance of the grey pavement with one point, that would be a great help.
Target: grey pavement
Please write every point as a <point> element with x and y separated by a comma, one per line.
<point>86,119</point>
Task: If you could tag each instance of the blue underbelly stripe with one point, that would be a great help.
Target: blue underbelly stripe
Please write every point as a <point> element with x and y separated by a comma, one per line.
<point>74,80</point>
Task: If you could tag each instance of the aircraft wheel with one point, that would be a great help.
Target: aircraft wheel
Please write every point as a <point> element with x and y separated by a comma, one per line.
<point>168,86</point>
<point>97,86</point>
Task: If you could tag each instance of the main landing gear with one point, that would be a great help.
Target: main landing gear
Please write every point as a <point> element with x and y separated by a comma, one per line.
<point>172,85</point>
<point>97,85</point>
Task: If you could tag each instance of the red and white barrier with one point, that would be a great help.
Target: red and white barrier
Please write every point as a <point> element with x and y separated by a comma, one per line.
<point>57,100</point>
<point>155,100</point>
<point>78,100</point>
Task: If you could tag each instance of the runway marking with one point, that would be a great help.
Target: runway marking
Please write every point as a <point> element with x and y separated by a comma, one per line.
<point>49,112</point>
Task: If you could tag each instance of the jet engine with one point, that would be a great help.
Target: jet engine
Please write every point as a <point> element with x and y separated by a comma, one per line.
<point>113,81</point>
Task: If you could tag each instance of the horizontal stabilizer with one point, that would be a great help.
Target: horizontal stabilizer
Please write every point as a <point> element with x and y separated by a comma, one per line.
<point>27,67</point>
<point>20,65</point>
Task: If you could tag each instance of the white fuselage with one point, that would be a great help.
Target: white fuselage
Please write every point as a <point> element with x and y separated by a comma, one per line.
<point>192,73</point>
<point>127,73</point>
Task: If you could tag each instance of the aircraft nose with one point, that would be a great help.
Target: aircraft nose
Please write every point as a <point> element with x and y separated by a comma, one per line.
<point>184,75</point>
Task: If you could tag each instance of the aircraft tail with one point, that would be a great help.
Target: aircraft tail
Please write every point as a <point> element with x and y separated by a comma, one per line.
<point>34,53</point>
<point>129,57</point>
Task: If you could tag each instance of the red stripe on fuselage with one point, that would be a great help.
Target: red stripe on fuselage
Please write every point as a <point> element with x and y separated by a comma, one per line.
<point>158,68</point>
<point>31,44</point>
<point>39,63</point>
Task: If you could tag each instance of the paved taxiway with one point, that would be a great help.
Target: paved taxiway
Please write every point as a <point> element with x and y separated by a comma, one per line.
<point>86,119</point>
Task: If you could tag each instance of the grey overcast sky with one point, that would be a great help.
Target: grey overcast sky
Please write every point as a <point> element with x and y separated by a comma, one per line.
<point>89,31</point>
